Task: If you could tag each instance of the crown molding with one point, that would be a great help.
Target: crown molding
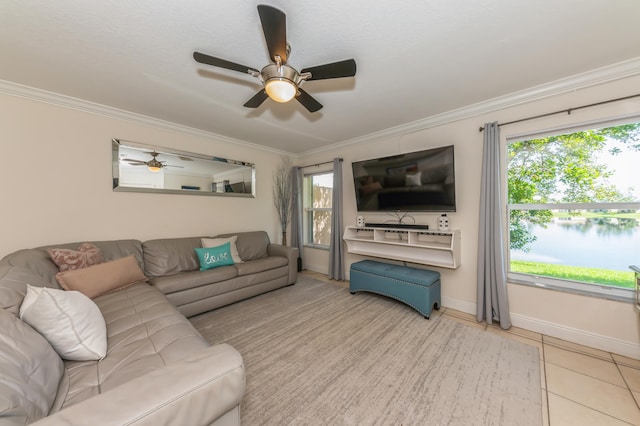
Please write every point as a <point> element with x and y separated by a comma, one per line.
<point>31,93</point>
<point>591,78</point>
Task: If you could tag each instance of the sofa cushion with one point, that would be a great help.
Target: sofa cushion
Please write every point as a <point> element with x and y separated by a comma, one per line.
<point>280,275</point>
<point>170,256</point>
<point>260,265</point>
<point>187,280</point>
<point>103,278</point>
<point>251,245</point>
<point>144,332</point>
<point>68,259</point>
<point>214,257</point>
<point>206,297</point>
<point>31,372</point>
<point>36,262</point>
<point>13,286</point>
<point>69,320</point>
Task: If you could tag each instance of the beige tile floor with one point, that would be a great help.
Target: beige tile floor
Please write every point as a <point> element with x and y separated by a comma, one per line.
<point>580,385</point>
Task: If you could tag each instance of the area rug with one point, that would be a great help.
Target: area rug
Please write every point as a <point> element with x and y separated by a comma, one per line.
<point>317,355</point>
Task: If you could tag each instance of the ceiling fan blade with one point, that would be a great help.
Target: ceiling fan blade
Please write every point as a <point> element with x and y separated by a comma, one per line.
<point>257,99</point>
<point>134,162</point>
<point>308,101</point>
<point>222,63</point>
<point>274,26</point>
<point>346,68</point>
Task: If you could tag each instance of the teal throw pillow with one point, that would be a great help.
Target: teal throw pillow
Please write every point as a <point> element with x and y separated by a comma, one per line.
<point>213,257</point>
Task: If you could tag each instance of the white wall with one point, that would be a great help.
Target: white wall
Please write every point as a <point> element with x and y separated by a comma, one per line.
<point>55,183</point>
<point>612,326</point>
<point>56,186</point>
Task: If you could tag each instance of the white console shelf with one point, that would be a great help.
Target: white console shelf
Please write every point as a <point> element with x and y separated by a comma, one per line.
<point>424,246</point>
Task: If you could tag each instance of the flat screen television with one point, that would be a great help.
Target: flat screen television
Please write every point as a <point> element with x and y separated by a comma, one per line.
<point>421,181</point>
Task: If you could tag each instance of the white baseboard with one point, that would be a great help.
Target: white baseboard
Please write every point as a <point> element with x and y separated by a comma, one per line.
<point>459,305</point>
<point>587,338</point>
<point>321,269</point>
<point>560,331</point>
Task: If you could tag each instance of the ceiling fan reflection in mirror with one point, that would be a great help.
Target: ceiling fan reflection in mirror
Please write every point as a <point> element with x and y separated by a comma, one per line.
<point>281,81</point>
<point>154,165</point>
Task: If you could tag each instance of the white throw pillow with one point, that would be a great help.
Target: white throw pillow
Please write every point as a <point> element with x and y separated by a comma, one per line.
<point>70,321</point>
<point>414,179</point>
<point>215,242</point>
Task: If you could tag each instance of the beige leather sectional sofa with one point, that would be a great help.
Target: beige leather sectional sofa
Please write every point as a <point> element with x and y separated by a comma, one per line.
<point>157,369</point>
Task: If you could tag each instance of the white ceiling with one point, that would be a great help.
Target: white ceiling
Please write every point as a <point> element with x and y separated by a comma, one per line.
<point>415,58</point>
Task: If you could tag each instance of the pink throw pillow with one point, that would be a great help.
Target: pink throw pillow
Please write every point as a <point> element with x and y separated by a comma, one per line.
<point>68,260</point>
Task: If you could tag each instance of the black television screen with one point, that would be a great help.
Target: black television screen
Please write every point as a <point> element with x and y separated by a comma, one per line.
<point>422,181</point>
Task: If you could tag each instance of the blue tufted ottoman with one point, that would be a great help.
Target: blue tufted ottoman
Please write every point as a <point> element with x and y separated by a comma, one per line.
<point>418,288</point>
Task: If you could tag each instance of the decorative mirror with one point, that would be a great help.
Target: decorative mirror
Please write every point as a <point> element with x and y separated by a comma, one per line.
<point>143,168</point>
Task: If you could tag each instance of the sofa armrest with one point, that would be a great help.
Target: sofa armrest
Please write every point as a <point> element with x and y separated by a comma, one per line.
<point>291,253</point>
<point>195,391</point>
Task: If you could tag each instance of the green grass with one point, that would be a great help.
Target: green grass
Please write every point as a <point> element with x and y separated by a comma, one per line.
<point>576,273</point>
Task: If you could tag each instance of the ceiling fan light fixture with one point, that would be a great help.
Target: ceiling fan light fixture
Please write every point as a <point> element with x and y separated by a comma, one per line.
<point>280,89</point>
<point>280,81</point>
<point>154,165</point>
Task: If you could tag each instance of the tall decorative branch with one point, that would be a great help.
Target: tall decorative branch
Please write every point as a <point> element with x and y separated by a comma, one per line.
<point>282,195</point>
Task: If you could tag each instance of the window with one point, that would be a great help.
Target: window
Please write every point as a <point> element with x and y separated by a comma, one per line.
<point>574,209</point>
<point>318,193</point>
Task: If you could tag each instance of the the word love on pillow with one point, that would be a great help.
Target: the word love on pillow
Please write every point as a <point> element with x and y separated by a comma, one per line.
<point>213,257</point>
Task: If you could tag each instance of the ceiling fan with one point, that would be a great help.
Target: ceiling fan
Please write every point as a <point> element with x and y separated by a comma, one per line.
<point>281,81</point>
<point>154,165</point>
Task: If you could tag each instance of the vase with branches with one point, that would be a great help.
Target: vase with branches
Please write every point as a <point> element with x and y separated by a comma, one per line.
<point>282,195</point>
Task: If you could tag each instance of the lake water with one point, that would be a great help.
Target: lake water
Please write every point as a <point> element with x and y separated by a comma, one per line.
<point>592,243</point>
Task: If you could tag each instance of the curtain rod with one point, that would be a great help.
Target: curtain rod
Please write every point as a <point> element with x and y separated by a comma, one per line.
<point>318,164</point>
<point>568,110</point>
